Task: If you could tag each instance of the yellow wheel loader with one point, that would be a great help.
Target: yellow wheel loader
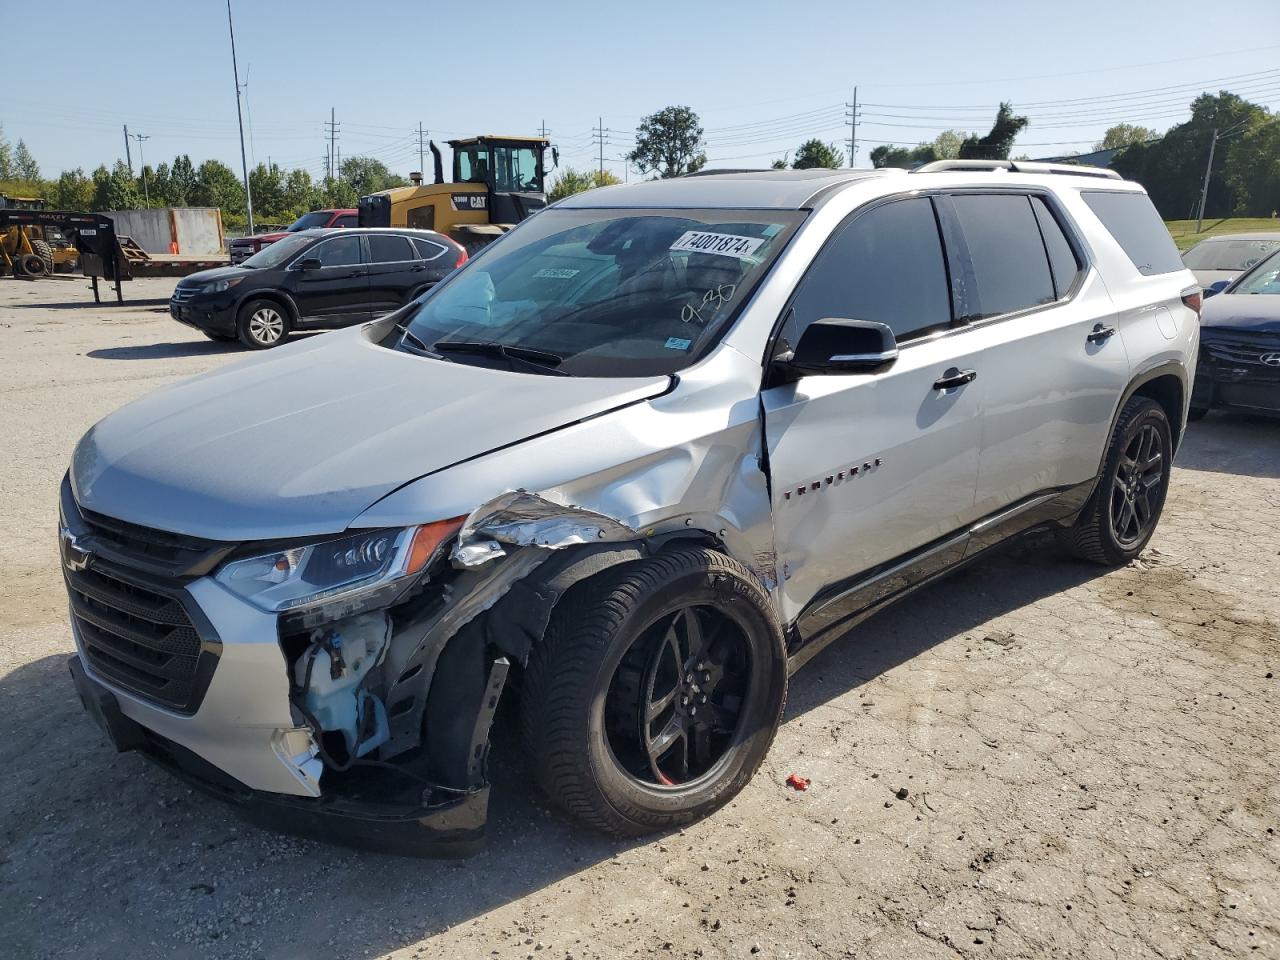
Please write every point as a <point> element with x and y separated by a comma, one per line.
<point>497,182</point>
<point>34,250</point>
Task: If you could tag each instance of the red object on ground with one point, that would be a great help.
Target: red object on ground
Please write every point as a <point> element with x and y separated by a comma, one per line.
<point>797,782</point>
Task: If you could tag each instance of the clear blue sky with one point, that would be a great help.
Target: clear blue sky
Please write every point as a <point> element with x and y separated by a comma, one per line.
<point>763,76</point>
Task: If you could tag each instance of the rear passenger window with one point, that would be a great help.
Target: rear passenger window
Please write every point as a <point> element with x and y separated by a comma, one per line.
<point>1008,256</point>
<point>1062,259</point>
<point>1136,226</point>
<point>886,265</point>
<point>388,248</point>
<point>428,250</point>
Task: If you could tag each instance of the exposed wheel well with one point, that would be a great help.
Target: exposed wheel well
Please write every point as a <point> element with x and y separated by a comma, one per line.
<point>1166,390</point>
<point>279,299</point>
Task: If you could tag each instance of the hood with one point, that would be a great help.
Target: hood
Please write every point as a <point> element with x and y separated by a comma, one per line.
<point>304,439</point>
<point>1253,312</point>
<point>1207,277</point>
<point>217,273</point>
<point>259,238</point>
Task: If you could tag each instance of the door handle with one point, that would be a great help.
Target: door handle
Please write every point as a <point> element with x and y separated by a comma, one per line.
<point>955,378</point>
<point>1100,333</point>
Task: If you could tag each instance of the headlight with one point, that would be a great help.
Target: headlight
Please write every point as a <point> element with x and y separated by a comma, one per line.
<point>218,286</point>
<point>335,569</point>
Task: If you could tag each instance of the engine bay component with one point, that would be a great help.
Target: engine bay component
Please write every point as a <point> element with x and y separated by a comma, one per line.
<point>329,677</point>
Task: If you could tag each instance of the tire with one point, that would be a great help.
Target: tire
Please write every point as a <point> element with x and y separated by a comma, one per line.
<point>28,266</point>
<point>45,252</point>
<point>262,324</point>
<point>1121,515</point>
<point>618,635</point>
<point>1196,413</point>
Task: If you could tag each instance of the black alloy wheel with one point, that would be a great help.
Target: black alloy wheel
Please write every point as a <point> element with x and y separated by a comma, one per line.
<point>1136,490</point>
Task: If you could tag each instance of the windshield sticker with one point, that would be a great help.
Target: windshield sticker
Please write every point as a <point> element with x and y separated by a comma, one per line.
<point>721,244</point>
<point>556,273</point>
<point>711,301</point>
<point>675,343</point>
<point>772,230</point>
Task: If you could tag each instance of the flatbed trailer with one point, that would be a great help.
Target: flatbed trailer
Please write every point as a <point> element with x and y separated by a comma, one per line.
<point>105,255</point>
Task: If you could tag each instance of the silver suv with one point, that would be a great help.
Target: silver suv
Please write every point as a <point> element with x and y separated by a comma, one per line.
<point>637,461</point>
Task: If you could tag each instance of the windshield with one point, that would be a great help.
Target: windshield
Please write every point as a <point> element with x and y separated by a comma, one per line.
<point>274,254</point>
<point>606,293</point>
<point>1228,254</point>
<point>1265,278</point>
<point>316,218</point>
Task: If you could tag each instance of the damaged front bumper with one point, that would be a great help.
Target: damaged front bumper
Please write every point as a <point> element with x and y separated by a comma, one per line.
<point>415,821</point>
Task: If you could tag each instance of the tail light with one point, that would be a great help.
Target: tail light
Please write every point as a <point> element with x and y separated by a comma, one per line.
<point>1193,298</point>
<point>463,258</point>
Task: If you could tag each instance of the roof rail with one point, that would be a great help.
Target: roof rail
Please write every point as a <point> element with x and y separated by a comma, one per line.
<point>1019,166</point>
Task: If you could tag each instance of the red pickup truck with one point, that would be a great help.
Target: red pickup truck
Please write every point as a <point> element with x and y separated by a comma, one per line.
<point>242,248</point>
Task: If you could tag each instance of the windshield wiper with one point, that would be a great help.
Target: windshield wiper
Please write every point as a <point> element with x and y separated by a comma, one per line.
<point>412,343</point>
<point>539,361</point>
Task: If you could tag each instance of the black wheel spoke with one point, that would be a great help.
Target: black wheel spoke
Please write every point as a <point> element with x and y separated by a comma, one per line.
<point>695,643</point>
<point>658,704</point>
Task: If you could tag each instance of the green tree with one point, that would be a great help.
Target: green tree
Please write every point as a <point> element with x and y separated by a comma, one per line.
<point>1253,170</point>
<point>74,191</point>
<point>115,189</point>
<point>182,181</point>
<point>571,181</point>
<point>1124,135</point>
<point>367,175</point>
<point>814,153</point>
<point>6,158</point>
<point>1172,168</point>
<point>889,155</point>
<point>300,194</point>
<point>996,144</point>
<point>267,185</point>
<point>669,142</point>
<point>217,186</point>
<point>24,164</point>
<point>946,145</point>
<point>779,164</point>
<point>339,194</point>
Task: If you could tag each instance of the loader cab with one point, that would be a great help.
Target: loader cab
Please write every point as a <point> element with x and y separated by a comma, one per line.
<point>511,169</point>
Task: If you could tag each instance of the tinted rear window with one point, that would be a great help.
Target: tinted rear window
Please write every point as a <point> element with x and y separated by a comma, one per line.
<point>1136,226</point>
<point>1008,255</point>
<point>388,248</point>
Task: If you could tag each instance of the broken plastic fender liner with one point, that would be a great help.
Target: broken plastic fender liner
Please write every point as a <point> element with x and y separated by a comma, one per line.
<point>523,519</point>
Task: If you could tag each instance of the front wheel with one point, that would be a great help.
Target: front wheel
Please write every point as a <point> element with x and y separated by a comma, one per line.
<point>656,693</point>
<point>1122,514</point>
<point>262,324</point>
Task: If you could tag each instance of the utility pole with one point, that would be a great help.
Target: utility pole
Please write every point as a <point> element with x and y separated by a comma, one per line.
<point>128,157</point>
<point>852,114</point>
<point>421,156</point>
<point>333,125</point>
<point>543,131</point>
<point>599,137</point>
<point>1208,169</point>
<point>244,162</point>
<point>142,164</point>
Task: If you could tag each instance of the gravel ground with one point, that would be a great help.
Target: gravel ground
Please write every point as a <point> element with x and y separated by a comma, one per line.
<point>1032,759</point>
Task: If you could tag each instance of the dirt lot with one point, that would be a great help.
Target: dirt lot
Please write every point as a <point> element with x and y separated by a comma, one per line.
<point>1089,759</point>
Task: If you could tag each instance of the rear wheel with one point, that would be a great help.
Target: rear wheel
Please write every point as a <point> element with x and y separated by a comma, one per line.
<point>28,265</point>
<point>1122,514</point>
<point>262,324</point>
<point>656,693</point>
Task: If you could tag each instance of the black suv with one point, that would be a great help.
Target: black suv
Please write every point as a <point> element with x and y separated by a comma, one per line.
<point>314,280</point>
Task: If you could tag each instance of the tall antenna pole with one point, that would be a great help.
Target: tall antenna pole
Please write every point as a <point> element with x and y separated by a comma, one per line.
<point>244,162</point>
<point>128,157</point>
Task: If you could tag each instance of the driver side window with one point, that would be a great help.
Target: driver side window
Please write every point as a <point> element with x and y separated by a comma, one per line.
<point>884,265</point>
<point>338,252</point>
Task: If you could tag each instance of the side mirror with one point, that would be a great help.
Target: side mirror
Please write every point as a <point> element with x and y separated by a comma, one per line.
<point>308,263</point>
<point>833,346</point>
<point>1216,287</point>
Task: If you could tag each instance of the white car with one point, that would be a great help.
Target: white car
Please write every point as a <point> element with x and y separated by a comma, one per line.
<point>1222,259</point>
<point>648,452</point>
